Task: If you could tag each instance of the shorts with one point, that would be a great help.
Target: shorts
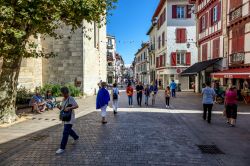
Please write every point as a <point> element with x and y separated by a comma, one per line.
<point>231,110</point>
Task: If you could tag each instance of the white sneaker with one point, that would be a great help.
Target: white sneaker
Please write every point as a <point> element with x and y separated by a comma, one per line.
<point>59,151</point>
<point>166,106</point>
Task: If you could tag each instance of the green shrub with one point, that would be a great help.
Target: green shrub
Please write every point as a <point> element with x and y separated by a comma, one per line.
<point>23,96</point>
<point>74,91</point>
<point>54,88</point>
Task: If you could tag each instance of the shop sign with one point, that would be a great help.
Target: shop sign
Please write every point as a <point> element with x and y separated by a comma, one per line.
<point>228,76</point>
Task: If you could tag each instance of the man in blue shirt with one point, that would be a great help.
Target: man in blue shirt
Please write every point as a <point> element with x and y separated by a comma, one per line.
<point>208,94</point>
<point>173,88</point>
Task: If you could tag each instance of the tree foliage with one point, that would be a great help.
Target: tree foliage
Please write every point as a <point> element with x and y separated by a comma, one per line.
<point>21,19</point>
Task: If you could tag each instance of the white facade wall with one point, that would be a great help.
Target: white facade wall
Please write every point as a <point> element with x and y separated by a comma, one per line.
<point>169,27</point>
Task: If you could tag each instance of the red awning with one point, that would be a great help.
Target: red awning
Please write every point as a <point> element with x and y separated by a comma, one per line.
<point>233,73</point>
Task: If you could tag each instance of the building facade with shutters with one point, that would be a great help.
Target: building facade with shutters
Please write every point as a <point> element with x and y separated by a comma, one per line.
<point>212,40</point>
<point>142,71</point>
<point>238,50</point>
<point>111,60</point>
<point>175,43</point>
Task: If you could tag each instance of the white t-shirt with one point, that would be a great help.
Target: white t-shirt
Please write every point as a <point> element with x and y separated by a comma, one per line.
<point>69,100</point>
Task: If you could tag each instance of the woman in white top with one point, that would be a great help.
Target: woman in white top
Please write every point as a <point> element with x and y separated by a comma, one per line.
<point>68,104</point>
<point>115,96</point>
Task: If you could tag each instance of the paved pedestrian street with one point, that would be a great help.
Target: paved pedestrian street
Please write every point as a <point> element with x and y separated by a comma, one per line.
<point>142,136</point>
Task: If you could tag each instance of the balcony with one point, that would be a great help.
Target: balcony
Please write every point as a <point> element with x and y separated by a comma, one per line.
<point>110,46</point>
<point>235,14</point>
<point>237,59</point>
<point>151,48</point>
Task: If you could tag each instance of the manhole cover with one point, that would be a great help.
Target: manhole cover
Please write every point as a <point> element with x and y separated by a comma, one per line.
<point>39,137</point>
<point>210,149</point>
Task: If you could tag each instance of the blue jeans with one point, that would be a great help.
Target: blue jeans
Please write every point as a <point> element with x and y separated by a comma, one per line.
<point>68,131</point>
<point>173,92</point>
<point>146,99</point>
<point>130,100</point>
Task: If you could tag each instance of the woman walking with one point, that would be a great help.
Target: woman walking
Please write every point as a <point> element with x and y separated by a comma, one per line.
<point>130,93</point>
<point>102,101</point>
<point>147,94</point>
<point>231,106</point>
<point>115,94</point>
<point>167,96</point>
<point>68,105</point>
<point>208,94</point>
<point>153,90</point>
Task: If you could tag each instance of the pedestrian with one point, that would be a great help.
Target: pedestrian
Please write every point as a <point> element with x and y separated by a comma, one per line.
<point>231,106</point>
<point>208,94</point>
<point>173,88</point>
<point>167,96</point>
<point>147,94</point>
<point>130,93</point>
<point>68,105</point>
<point>102,101</point>
<point>154,91</point>
<point>115,95</point>
<point>139,90</point>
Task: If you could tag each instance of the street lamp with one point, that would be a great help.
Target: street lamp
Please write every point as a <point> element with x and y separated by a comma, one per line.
<point>189,43</point>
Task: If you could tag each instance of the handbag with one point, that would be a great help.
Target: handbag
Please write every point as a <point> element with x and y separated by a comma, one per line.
<point>65,116</point>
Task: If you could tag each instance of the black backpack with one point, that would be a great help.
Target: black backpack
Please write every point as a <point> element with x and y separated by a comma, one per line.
<point>115,95</point>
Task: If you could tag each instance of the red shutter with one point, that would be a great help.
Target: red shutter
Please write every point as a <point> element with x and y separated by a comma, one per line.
<point>204,52</point>
<point>174,12</point>
<point>188,58</point>
<point>178,35</point>
<point>239,37</point>
<point>183,36</point>
<point>189,12</point>
<point>173,58</point>
<point>206,20</point>
<point>200,25</point>
<point>219,12</point>
<point>211,17</point>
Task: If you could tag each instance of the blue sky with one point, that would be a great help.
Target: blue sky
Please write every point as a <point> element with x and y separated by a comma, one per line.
<point>129,24</point>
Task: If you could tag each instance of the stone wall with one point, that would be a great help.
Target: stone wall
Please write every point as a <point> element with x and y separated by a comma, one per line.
<point>68,64</point>
<point>95,60</point>
<point>30,75</point>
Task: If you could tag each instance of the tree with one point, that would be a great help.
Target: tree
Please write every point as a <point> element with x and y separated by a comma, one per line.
<point>22,19</point>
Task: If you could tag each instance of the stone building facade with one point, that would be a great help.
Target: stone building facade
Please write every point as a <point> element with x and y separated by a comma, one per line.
<point>81,61</point>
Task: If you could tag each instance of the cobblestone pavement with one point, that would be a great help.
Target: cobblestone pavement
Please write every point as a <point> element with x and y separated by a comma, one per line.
<point>139,136</point>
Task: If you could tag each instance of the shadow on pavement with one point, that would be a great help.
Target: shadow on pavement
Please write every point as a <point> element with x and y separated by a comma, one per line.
<point>135,138</point>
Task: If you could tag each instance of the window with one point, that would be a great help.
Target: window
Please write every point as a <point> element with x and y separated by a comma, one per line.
<point>181,36</point>
<point>180,11</point>
<point>109,42</point>
<point>163,39</point>
<point>181,58</point>
<point>159,42</point>
<point>161,19</point>
<point>215,14</point>
<point>203,22</point>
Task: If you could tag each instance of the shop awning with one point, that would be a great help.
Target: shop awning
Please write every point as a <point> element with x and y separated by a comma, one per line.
<point>233,73</point>
<point>200,66</point>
